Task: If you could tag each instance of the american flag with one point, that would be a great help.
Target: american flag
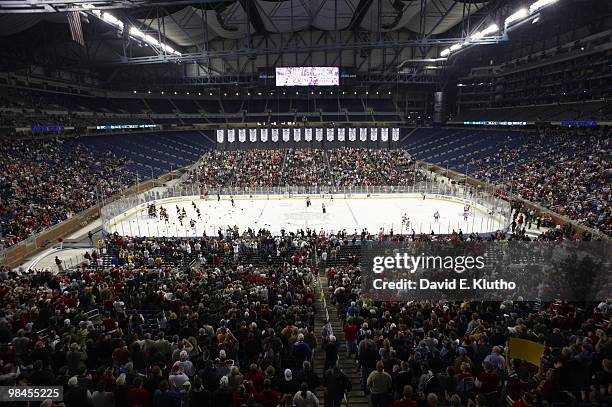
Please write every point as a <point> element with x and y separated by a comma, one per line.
<point>76,31</point>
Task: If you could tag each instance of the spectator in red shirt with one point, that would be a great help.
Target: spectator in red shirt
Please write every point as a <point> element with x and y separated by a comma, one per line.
<point>110,324</point>
<point>488,381</point>
<point>139,396</point>
<point>526,401</point>
<point>268,397</point>
<point>406,400</point>
<point>350,335</point>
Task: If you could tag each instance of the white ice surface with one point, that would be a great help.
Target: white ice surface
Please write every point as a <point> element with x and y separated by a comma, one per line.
<point>290,213</point>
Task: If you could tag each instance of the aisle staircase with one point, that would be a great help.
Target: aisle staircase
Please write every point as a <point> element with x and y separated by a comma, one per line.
<point>325,308</point>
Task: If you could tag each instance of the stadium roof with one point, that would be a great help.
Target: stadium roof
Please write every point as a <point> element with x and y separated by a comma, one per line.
<point>239,37</point>
<point>186,24</point>
<point>185,27</point>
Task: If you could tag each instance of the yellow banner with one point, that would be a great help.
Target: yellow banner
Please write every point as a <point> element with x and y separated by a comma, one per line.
<point>525,350</point>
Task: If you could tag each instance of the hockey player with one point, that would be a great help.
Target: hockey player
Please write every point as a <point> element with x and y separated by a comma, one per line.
<point>405,220</point>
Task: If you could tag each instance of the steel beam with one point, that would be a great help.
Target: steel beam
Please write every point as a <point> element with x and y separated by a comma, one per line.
<point>239,52</point>
<point>54,6</point>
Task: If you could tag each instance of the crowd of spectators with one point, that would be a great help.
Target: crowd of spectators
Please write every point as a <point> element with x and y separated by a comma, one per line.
<point>342,167</point>
<point>237,329</point>
<point>453,354</point>
<point>356,167</point>
<point>566,171</point>
<point>46,181</point>
<point>306,167</point>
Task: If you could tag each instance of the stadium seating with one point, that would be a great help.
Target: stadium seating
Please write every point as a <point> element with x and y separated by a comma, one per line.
<point>156,152</point>
<point>188,111</point>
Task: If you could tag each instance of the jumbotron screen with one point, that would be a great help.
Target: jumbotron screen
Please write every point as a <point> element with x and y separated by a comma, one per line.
<point>308,76</point>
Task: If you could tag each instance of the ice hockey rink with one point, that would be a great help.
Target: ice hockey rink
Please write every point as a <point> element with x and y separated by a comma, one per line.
<point>274,213</point>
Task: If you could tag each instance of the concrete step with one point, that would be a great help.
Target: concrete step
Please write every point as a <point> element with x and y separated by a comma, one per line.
<point>348,365</point>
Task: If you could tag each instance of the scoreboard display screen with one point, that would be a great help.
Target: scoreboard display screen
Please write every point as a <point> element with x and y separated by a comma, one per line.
<point>308,76</point>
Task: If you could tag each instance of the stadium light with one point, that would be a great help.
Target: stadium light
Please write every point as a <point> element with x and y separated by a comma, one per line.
<point>109,18</point>
<point>519,15</point>
<point>493,28</point>
<point>135,32</point>
<point>162,92</point>
<point>540,4</point>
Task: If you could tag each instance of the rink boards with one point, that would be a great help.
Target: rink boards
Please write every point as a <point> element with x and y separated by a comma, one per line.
<point>275,212</point>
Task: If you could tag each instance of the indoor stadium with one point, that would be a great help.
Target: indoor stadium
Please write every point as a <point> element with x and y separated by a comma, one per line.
<point>303,203</point>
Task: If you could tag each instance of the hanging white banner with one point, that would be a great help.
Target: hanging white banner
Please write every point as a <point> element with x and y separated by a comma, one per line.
<point>286,135</point>
<point>297,134</point>
<point>308,134</point>
<point>220,136</point>
<point>263,135</point>
<point>341,134</point>
<point>231,135</point>
<point>352,134</point>
<point>330,134</point>
<point>384,134</point>
<point>374,134</point>
<point>395,134</point>
<point>319,134</point>
<point>253,135</point>
<point>275,135</point>
<point>242,135</point>
<point>363,134</point>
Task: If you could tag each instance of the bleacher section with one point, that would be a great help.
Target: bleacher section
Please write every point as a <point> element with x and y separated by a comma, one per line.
<point>545,82</point>
<point>27,107</point>
<point>160,105</point>
<point>153,153</point>
<point>455,148</point>
<point>583,111</point>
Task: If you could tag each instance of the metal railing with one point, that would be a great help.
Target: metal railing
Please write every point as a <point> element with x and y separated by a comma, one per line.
<point>133,207</point>
<point>502,191</point>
